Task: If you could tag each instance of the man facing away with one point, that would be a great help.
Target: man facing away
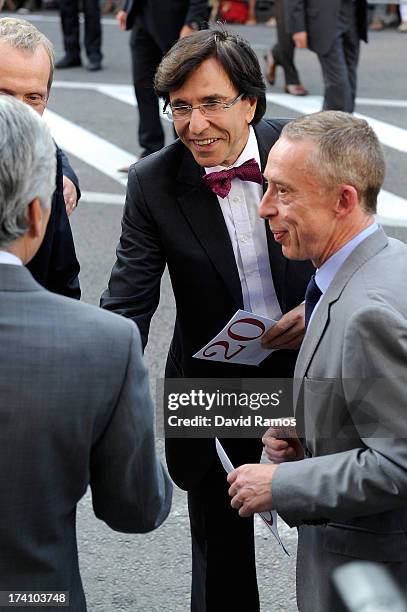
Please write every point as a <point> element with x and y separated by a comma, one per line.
<point>345,486</point>
<point>75,408</point>
<point>26,71</point>
<point>221,257</point>
<point>333,30</point>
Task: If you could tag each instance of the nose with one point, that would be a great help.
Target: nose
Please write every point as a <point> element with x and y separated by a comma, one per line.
<point>268,207</point>
<point>198,122</point>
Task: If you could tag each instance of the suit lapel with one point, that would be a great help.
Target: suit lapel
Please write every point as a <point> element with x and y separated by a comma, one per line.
<point>363,252</point>
<point>201,208</point>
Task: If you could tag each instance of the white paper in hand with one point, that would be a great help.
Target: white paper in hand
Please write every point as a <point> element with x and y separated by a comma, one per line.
<point>270,516</point>
<point>239,341</point>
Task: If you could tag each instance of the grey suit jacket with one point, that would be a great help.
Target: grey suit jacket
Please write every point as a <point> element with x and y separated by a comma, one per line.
<point>349,494</point>
<point>319,18</point>
<point>75,411</point>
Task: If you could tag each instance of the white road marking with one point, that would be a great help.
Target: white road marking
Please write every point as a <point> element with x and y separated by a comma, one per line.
<point>391,209</point>
<point>389,135</point>
<point>90,148</point>
<point>94,197</point>
<point>107,158</point>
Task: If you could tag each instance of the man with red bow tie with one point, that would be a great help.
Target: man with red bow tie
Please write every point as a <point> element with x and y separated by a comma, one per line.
<point>194,207</point>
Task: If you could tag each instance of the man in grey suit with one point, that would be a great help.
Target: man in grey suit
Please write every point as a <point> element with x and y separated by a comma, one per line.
<point>347,489</point>
<point>75,408</point>
<point>333,29</point>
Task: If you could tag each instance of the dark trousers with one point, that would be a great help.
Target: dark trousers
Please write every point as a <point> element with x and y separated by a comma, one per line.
<point>223,554</point>
<point>283,51</point>
<point>145,56</point>
<point>339,65</point>
<point>70,28</point>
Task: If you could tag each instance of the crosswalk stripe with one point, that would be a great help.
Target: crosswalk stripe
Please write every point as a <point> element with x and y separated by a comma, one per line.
<point>94,197</point>
<point>389,135</point>
<point>107,157</point>
<point>90,148</point>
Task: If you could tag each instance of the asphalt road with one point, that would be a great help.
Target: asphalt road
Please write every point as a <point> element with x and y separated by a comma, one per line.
<point>151,573</point>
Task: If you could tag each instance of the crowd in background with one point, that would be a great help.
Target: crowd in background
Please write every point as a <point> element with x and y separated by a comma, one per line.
<point>248,12</point>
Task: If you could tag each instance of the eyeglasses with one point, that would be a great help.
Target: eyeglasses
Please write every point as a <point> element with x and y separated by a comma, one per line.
<point>184,111</point>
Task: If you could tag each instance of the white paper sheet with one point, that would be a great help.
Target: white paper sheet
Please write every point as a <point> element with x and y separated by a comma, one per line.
<point>239,341</point>
<point>270,516</point>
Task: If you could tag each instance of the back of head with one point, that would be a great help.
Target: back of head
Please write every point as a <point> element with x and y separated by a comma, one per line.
<point>347,152</point>
<point>233,53</point>
<point>27,166</point>
<point>24,36</point>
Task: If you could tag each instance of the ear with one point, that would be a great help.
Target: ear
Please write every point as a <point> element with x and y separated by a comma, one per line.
<point>36,218</point>
<point>251,109</point>
<point>347,201</point>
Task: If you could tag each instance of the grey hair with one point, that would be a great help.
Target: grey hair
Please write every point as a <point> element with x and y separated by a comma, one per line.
<point>27,166</point>
<point>348,151</point>
<point>24,36</point>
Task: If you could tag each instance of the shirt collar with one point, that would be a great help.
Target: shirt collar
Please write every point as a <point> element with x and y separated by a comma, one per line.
<point>325,274</point>
<point>251,151</point>
<point>10,258</point>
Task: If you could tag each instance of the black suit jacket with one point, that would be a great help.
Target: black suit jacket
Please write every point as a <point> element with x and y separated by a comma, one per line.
<point>55,265</point>
<point>164,20</point>
<point>319,19</point>
<point>171,217</point>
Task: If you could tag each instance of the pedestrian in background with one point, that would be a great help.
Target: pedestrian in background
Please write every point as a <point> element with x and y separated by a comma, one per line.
<point>333,30</point>
<point>155,26</point>
<point>69,11</point>
<point>282,54</point>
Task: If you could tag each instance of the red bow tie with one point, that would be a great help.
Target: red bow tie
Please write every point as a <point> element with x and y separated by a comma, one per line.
<point>221,182</point>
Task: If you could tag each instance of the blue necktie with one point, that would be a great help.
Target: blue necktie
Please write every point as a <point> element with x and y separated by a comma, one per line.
<point>312,295</point>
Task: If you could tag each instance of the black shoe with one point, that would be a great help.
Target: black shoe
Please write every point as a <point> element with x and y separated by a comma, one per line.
<point>94,65</point>
<point>68,62</point>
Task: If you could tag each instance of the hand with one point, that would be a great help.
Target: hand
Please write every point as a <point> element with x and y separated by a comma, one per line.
<point>121,19</point>
<point>301,40</point>
<point>282,444</point>
<point>186,30</point>
<point>250,488</point>
<point>288,332</point>
<point>70,195</point>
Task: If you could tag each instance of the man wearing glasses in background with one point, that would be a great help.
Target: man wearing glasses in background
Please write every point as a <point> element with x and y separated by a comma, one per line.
<point>221,257</point>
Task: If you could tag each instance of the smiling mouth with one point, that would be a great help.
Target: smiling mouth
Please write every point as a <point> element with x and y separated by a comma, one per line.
<point>204,142</point>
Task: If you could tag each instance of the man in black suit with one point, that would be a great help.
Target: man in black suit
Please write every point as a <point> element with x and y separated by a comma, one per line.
<point>220,257</point>
<point>155,26</point>
<point>26,70</point>
<point>75,408</point>
<point>333,30</point>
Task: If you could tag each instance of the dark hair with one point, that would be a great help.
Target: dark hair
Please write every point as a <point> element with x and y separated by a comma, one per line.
<point>233,53</point>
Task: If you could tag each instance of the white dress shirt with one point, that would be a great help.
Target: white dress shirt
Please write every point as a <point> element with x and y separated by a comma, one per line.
<point>326,273</point>
<point>247,233</point>
<point>9,258</point>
